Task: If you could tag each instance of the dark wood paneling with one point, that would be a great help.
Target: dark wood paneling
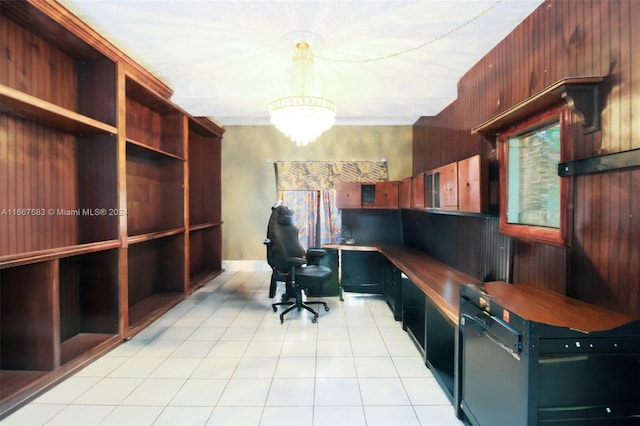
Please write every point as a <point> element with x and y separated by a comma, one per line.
<point>29,327</point>
<point>204,193</point>
<point>40,170</point>
<point>155,199</point>
<point>563,39</point>
<point>155,266</point>
<point>470,244</point>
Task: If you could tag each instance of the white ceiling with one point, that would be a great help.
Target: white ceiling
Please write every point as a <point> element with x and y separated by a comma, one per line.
<point>229,59</point>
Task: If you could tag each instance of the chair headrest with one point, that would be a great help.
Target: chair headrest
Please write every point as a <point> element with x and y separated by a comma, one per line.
<point>284,215</point>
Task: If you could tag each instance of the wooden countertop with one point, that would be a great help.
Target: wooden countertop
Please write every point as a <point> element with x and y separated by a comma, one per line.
<point>441,283</point>
<point>549,307</point>
<point>438,281</point>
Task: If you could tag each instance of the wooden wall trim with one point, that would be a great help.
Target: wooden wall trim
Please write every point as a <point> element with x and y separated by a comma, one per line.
<point>69,21</point>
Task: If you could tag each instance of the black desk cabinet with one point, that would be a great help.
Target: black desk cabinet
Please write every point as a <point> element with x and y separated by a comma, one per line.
<point>515,371</point>
<point>392,286</point>
<point>363,271</point>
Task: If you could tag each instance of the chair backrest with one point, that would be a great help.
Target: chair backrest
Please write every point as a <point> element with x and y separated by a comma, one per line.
<point>283,236</point>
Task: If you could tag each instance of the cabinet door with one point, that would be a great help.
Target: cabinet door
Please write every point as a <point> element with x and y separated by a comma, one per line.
<point>470,185</point>
<point>417,190</point>
<point>348,195</point>
<point>386,195</point>
<point>404,197</point>
<point>448,186</point>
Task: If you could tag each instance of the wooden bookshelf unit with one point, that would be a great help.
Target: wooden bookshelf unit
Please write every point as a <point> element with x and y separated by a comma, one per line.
<point>110,208</point>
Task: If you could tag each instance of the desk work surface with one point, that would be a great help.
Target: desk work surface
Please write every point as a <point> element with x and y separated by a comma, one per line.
<point>553,308</point>
<point>441,283</point>
<point>437,280</point>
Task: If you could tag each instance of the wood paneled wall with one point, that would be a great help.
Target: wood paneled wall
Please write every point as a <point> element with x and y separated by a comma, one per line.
<point>563,39</point>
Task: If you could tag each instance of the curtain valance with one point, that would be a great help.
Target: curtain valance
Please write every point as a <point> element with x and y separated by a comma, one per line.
<point>319,175</point>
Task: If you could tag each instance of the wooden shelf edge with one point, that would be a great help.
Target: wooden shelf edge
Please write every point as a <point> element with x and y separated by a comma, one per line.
<point>202,277</point>
<point>205,126</point>
<point>150,309</point>
<point>35,383</point>
<point>56,253</point>
<point>144,151</point>
<point>135,239</point>
<point>15,102</point>
<point>207,225</point>
<point>547,97</point>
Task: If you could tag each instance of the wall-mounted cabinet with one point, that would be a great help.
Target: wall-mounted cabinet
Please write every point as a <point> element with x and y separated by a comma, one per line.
<point>376,195</point>
<point>418,191</point>
<point>404,196</point>
<point>473,185</point>
<point>104,224</point>
<point>348,195</point>
<point>448,186</point>
<point>460,186</point>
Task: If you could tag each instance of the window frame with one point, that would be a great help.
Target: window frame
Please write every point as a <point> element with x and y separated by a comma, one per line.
<point>555,236</point>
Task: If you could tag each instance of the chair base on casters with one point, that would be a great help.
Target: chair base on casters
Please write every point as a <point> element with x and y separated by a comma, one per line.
<point>299,304</point>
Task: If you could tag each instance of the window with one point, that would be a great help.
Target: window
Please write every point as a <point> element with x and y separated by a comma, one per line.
<point>533,196</point>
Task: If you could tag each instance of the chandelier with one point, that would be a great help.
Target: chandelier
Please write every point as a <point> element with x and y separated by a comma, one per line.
<point>302,118</point>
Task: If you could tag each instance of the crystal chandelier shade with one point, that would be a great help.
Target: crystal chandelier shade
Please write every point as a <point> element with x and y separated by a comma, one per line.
<point>302,118</point>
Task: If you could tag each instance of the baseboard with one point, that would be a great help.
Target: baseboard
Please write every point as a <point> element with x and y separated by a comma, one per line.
<point>245,265</point>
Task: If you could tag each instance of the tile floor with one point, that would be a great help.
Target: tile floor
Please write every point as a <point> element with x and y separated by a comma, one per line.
<point>221,357</point>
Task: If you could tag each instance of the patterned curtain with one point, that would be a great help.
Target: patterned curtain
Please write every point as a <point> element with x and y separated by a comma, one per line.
<point>308,188</point>
<point>305,207</point>
<point>320,175</point>
<point>330,217</point>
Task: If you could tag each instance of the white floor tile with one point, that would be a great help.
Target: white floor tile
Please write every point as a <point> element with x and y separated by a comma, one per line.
<point>337,391</point>
<point>68,391</point>
<point>334,348</point>
<point>291,392</point>
<point>183,416</point>
<point>137,366</point>
<point>216,368</point>
<point>80,415</point>
<point>235,416</point>
<point>383,391</point>
<point>338,416</point>
<point>176,368</point>
<point>154,392</point>
<point>256,368</point>
<point>222,357</point>
<point>437,415</point>
<point>33,414</point>
<point>375,366</point>
<point>391,416</point>
<point>425,391</point>
<point>199,392</point>
<point>296,367</point>
<point>109,391</point>
<point>249,392</point>
<point>334,366</point>
<point>128,415</point>
<point>102,367</point>
<point>287,416</point>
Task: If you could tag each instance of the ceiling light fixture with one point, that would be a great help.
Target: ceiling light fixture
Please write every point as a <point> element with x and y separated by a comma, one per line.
<point>302,118</point>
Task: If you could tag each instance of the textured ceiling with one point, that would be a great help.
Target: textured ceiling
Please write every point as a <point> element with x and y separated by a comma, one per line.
<point>382,62</point>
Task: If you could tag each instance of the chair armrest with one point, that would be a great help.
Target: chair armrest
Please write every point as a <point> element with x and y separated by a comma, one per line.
<point>314,254</point>
<point>296,261</point>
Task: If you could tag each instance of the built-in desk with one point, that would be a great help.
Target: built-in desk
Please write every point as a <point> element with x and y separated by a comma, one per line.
<point>428,301</point>
<point>530,356</point>
<point>514,353</point>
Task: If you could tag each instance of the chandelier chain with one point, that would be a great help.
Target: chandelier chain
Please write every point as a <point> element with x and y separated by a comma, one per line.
<point>412,49</point>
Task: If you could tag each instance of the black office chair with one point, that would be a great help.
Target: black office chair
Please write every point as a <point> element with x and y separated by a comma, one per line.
<point>299,270</point>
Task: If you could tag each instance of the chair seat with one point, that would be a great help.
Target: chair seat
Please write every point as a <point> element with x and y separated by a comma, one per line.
<point>312,275</point>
